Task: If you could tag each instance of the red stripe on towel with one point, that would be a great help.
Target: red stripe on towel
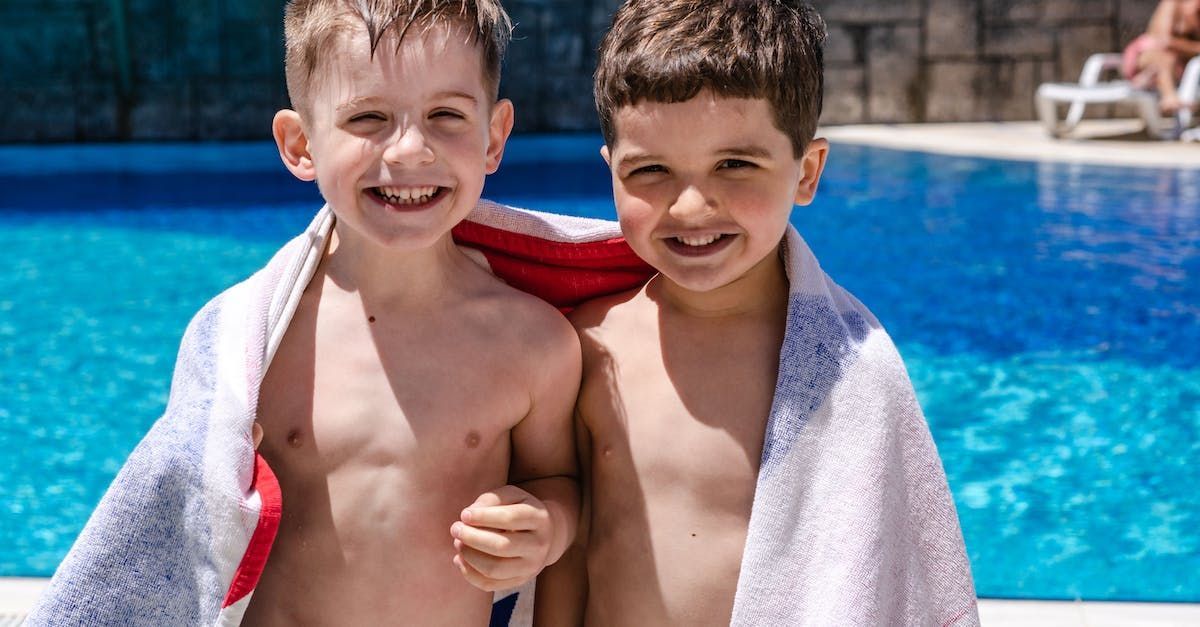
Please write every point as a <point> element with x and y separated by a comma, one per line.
<point>562,273</point>
<point>255,558</point>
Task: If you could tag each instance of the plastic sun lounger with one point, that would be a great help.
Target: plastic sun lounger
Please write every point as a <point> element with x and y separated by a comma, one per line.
<point>1091,90</point>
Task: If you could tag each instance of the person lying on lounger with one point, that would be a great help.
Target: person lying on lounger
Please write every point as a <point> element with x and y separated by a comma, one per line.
<point>1157,57</point>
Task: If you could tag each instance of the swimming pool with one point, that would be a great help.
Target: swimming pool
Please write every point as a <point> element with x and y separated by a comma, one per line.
<point>1049,315</point>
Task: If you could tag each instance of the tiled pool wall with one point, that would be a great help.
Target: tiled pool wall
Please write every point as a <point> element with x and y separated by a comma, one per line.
<point>85,70</point>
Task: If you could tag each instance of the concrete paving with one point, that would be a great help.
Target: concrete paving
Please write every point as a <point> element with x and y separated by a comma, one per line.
<point>1110,142</point>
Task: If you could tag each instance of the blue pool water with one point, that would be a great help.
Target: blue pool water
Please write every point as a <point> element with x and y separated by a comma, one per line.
<point>1049,315</point>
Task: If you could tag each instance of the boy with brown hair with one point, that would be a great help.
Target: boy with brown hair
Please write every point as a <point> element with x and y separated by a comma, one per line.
<point>752,451</point>
<point>413,411</point>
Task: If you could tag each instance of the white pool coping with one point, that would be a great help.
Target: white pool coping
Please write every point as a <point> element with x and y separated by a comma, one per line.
<point>1102,142</point>
<point>17,596</point>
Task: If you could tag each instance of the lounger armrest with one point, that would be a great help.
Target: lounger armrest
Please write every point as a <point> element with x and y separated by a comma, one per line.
<point>1190,82</point>
<point>1095,66</point>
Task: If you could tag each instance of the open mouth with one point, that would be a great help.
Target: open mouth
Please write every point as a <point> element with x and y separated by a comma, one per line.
<point>407,198</point>
<point>698,245</point>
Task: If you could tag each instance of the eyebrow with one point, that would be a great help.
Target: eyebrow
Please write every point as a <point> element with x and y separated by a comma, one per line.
<point>751,150</point>
<point>745,151</point>
<point>355,103</point>
<point>455,94</point>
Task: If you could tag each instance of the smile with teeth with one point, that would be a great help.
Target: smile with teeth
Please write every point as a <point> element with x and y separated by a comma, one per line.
<point>698,240</point>
<point>407,195</point>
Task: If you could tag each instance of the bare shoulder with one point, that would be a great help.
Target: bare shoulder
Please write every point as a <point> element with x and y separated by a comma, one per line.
<point>528,326</point>
<point>598,318</point>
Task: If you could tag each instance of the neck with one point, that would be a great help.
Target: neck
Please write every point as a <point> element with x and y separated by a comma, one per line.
<point>382,275</point>
<point>762,290</point>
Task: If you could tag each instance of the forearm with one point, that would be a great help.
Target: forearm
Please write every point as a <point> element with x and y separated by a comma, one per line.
<point>561,596</point>
<point>560,495</point>
<point>1185,47</point>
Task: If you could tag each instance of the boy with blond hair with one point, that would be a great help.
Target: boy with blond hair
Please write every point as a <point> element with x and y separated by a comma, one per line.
<point>413,411</point>
<point>752,451</point>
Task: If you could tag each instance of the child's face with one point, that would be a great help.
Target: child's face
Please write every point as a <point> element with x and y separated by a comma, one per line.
<point>400,144</point>
<point>704,188</point>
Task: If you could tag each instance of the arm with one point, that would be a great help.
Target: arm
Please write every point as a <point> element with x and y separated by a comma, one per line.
<point>1184,46</point>
<point>1162,21</point>
<point>562,588</point>
<point>508,535</point>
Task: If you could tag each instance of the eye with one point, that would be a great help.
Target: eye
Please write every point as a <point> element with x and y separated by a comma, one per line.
<point>447,114</point>
<point>735,164</point>
<point>648,169</point>
<point>372,116</point>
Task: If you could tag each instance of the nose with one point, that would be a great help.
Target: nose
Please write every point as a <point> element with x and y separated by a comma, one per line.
<point>409,148</point>
<point>692,204</point>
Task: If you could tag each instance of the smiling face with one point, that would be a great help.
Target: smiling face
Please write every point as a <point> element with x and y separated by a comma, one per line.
<point>399,144</point>
<point>704,188</point>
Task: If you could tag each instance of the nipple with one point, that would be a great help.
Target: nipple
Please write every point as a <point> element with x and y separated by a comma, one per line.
<point>294,439</point>
<point>473,439</point>
<point>371,319</point>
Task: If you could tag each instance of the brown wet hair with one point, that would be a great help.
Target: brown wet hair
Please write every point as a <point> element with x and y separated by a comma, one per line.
<point>668,51</point>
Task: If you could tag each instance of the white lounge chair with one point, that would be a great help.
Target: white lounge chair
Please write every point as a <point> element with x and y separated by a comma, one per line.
<point>1091,90</point>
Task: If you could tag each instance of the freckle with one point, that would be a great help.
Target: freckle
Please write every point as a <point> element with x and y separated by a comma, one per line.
<point>294,440</point>
<point>473,439</point>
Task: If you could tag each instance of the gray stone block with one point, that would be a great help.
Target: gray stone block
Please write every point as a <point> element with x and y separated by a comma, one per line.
<point>37,114</point>
<point>97,113</point>
<point>1133,16</point>
<point>567,104</point>
<point>869,11</point>
<point>250,50</point>
<point>952,28</point>
<point>845,97</point>
<point>1008,93</point>
<point>893,74</point>
<point>1076,43</point>
<point>1018,40</point>
<point>953,93</point>
<point>1068,11</point>
<point>162,111</point>
<point>1013,10</point>
<point>842,45</point>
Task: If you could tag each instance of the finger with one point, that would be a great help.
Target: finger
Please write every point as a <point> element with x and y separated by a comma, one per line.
<point>496,568</point>
<point>520,517</point>
<point>489,541</point>
<point>504,495</point>
<point>477,579</point>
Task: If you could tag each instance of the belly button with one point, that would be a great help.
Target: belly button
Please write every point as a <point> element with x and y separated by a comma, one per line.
<point>294,440</point>
<point>473,439</point>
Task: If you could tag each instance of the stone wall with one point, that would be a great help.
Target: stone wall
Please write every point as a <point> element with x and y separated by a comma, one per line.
<point>112,70</point>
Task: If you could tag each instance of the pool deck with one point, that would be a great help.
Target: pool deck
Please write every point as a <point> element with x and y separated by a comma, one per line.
<point>1104,142</point>
<point>18,595</point>
<point>1107,142</point>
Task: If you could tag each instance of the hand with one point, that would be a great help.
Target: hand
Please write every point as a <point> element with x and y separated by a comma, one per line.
<point>503,539</point>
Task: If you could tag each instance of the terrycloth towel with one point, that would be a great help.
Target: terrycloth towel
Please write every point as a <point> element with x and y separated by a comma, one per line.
<point>852,524</point>
<point>183,533</point>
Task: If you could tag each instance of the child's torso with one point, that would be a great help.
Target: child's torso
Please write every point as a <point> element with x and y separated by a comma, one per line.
<point>676,411</point>
<point>380,434</point>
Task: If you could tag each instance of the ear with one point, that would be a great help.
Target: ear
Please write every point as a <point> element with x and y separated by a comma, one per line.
<point>604,152</point>
<point>293,145</point>
<point>499,129</point>
<point>812,164</point>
